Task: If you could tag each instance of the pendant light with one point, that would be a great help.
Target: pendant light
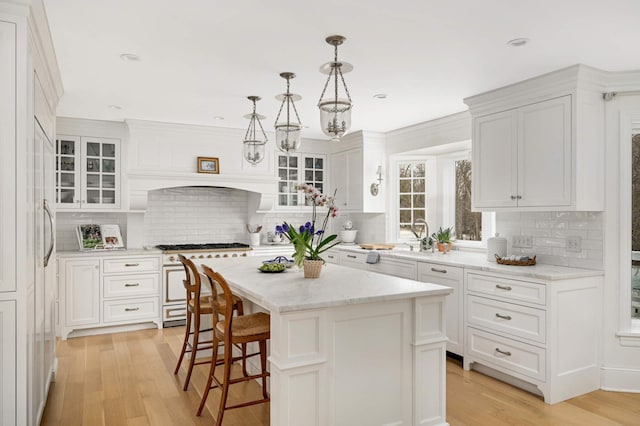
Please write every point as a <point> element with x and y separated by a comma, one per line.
<point>288,132</point>
<point>254,142</point>
<point>335,112</point>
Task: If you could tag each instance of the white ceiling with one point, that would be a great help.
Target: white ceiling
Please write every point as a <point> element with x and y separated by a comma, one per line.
<point>201,58</point>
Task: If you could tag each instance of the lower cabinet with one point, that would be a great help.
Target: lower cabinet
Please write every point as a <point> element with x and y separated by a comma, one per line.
<point>109,290</point>
<point>389,266</point>
<point>544,333</point>
<point>450,276</point>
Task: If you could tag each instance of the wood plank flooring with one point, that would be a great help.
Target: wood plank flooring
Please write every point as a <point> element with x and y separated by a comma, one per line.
<point>127,379</point>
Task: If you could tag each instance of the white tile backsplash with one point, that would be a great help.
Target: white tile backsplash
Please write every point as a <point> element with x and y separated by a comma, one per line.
<point>550,230</point>
<point>67,223</point>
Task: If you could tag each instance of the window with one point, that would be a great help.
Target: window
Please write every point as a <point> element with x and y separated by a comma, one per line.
<point>411,196</point>
<point>468,224</point>
<point>437,188</point>
<point>292,169</point>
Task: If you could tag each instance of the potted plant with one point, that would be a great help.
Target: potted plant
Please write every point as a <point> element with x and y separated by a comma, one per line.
<point>444,237</point>
<point>308,240</point>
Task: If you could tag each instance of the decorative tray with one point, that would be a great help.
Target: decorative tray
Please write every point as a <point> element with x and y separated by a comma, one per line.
<point>526,261</point>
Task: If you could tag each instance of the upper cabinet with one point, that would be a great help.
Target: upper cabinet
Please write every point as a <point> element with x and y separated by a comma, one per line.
<point>539,145</point>
<point>87,173</point>
<point>354,163</point>
<point>299,168</point>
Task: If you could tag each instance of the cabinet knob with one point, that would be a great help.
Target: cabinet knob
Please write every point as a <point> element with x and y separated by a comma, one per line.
<point>519,197</point>
<point>513,197</point>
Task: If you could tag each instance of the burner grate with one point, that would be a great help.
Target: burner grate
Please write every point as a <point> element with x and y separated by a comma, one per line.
<point>206,246</point>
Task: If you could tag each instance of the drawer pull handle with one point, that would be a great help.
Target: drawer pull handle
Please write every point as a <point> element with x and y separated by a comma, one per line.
<point>131,264</point>
<point>503,287</point>
<point>132,284</point>
<point>506,317</point>
<point>330,256</point>
<point>351,256</point>
<point>507,353</point>
<point>442,271</point>
<point>131,309</point>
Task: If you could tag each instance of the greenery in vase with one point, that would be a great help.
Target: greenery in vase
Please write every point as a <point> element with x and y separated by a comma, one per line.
<point>443,235</point>
<point>309,241</point>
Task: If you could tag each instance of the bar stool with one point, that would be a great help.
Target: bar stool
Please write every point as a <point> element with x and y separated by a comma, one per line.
<point>197,306</point>
<point>239,330</point>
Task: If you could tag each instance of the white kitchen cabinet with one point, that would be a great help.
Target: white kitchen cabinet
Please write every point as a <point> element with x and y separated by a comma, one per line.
<point>450,276</point>
<point>110,290</point>
<point>87,173</point>
<point>299,168</point>
<point>81,280</point>
<point>396,267</point>
<point>353,259</point>
<point>539,145</point>
<point>544,333</point>
<point>8,362</point>
<point>332,256</point>
<point>353,168</point>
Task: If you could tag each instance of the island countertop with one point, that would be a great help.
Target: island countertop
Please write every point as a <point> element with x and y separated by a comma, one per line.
<point>337,286</point>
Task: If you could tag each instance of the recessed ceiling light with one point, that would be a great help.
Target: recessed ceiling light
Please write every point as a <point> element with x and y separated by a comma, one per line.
<point>115,107</point>
<point>380,96</point>
<point>517,42</point>
<point>129,57</point>
<point>218,117</point>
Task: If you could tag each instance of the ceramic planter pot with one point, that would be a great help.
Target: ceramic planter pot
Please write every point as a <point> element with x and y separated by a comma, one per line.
<point>444,247</point>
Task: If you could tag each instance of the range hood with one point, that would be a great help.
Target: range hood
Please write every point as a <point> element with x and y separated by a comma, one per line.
<point>262,188</point>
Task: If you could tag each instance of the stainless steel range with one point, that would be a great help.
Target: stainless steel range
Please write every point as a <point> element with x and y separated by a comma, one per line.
<point>173,293</point>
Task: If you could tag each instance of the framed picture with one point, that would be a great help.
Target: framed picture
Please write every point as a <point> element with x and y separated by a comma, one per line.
<point>208,165</point>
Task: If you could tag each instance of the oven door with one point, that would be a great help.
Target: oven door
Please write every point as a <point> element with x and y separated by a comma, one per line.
<point>173,291</point>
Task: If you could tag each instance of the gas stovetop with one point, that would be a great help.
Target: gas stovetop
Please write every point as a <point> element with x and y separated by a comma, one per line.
<point>202,247</point>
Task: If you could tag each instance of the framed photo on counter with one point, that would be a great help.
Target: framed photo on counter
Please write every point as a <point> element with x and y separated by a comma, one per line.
<point>208,165</point>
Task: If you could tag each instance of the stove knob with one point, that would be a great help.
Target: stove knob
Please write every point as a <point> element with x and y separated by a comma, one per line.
<point>225,255</point>
<point>209,257</point>
<point>244,254</point>
<point>217,255</point>
<point>192,257</point>
<point>234,255</point>
<point>201,256</point>
<point>171,258</point>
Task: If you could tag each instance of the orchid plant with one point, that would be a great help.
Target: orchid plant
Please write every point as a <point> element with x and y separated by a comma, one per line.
<point>309,241</point>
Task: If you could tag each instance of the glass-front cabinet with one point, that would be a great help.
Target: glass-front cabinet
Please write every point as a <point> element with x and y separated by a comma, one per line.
<point>87,173</point>
<point>294,169</point>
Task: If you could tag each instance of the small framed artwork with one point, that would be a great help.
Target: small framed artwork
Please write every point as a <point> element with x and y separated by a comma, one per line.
<point>208,165</point>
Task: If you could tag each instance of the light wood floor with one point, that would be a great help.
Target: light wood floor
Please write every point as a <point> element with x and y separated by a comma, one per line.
<point>127,379</point>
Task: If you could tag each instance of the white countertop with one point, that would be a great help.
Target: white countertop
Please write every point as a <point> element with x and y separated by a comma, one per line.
<point>125,252</point>
<point>337,286</point>
<point>478,261</point>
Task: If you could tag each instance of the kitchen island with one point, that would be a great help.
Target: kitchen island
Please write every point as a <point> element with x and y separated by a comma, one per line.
<point>350,348</point>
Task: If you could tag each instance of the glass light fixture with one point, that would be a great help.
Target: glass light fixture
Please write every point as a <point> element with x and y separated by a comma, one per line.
<point>254,142</point>
<point>335,111</point>
<point>288,132</point>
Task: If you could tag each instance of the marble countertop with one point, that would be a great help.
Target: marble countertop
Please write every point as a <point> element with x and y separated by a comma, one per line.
<point>337,286</point>
<point>125,252</point>
<point>478,261</point>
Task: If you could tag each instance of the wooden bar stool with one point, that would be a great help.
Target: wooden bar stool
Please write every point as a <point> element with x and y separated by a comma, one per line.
<point>197,306</point>
<point>239,330</point>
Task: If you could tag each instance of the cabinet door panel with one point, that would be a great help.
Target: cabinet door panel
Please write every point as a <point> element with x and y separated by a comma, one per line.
<point>82,292</point>
<point>495,160</point>
<point>8,362</point>
<point>544,145</point>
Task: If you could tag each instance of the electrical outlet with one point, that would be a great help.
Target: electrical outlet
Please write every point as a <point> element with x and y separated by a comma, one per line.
<point>573,244</point>
<point>522,241</point>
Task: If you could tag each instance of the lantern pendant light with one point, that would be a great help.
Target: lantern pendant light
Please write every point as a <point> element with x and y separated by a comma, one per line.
<point>254,142</point>
<point>335,111</point>
<point>288,132</point>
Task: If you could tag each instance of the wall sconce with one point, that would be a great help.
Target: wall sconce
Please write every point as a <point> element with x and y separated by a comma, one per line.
<point>375,187</point>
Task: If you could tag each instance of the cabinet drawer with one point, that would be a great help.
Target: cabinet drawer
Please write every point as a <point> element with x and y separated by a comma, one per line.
<point>438,271</point>
<point>131,265</point>
<point>519,321</point>
<point>331,256</point>
<point>507,354</point>
<point>134,309</point>
<point>354,260</point>
<point>131,285</point>
<point>395,267</point>
<point>174,313</point>
<point>507,289</point>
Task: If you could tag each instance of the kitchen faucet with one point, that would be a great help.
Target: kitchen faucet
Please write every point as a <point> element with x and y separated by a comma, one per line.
<point>425,229</point>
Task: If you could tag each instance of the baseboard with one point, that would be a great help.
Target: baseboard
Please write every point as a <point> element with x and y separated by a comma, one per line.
<point>83,332</point>
<point>620,379</point>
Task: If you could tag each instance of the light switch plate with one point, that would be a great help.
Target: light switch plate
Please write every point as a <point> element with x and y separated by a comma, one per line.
<point>574,244</point>
<point>522,241</point>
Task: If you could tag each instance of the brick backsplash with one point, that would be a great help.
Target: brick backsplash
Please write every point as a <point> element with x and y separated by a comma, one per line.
<point>550,230</point>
